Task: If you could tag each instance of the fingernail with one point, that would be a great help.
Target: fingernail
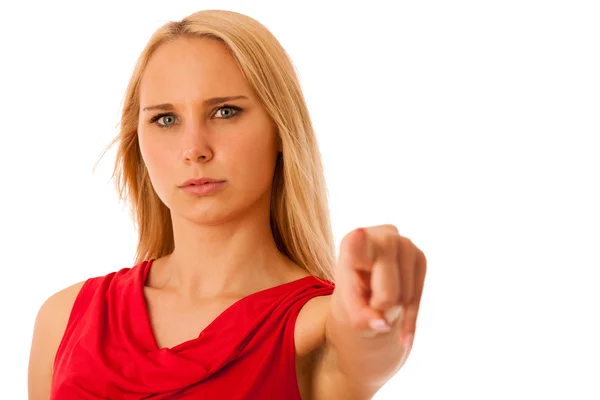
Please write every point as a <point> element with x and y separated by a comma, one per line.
<point>393,314</point>
<point>379,325</point>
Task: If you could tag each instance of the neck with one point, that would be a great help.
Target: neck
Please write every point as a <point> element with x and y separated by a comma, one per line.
<point>237,256</point>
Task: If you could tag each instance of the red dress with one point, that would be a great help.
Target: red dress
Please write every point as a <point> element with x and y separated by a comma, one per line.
<point>109,351</point>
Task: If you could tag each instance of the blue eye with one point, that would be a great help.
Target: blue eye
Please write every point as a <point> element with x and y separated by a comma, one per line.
<point>234,111</point>
<point>167,120</point>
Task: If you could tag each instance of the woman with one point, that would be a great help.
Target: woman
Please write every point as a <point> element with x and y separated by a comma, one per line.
<point>231,295</point>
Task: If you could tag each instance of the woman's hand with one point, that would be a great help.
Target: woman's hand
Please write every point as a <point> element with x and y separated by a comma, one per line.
<point>379,281</point>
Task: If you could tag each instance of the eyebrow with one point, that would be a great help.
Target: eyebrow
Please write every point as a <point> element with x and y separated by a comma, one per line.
<point>209,102</point>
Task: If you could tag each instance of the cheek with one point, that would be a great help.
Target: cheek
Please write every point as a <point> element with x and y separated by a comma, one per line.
<point>157,164</point>
<point>253,161</point>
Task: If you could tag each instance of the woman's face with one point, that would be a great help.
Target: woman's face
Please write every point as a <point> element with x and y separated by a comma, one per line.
<point>185,132</point>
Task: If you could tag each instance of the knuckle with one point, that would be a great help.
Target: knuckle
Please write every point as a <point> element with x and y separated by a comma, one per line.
<point>393,228</point>
<point>403,242</point>
<point>422,257</point>
<point>347,238</point>
<point>408,242</point>
<point>390,242</point>
<point>422,260</point>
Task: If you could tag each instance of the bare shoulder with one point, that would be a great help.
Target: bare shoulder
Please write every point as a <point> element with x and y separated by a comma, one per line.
<point>55,311</point>
<point>309,339</point>
<point>50,324</point>
<point>309,332</point>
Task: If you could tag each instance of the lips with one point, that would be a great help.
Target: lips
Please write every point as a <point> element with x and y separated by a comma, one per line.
<point>200,181</point>
<point>196,188</point>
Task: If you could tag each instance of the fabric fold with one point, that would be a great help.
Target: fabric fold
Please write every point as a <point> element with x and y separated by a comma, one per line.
<point>109,350</point>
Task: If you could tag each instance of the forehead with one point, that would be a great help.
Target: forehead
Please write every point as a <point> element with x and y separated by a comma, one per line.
<point>192,69</point>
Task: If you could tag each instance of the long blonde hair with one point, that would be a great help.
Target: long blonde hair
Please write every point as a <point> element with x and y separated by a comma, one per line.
<point>300,219</point>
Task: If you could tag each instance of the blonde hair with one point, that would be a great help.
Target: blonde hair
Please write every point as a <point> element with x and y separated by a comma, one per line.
<point>300,219</point>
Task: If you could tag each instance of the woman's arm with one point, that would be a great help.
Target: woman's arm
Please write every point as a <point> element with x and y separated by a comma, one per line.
<point>379,278</point>
<point>49,328</point>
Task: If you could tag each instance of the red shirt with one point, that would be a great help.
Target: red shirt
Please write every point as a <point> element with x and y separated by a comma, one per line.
<point>109,351</point>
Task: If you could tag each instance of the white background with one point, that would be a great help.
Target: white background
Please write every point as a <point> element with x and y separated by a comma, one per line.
<point>473,126</point>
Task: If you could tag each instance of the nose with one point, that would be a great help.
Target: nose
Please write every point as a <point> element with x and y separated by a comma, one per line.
<point>196,146</point>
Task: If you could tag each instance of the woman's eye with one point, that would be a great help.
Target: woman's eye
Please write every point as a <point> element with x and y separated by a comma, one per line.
<point>168,120</point>
<point>163,120</point>
<point>227,112</point>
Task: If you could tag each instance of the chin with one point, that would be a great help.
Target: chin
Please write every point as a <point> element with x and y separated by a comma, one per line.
<point>208,211</point>
<point>209,214</point>
<point>219,208</point>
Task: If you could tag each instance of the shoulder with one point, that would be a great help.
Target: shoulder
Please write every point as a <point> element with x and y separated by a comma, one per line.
<point>49,327</point>
<point>51,323</point>
<point>56,309</point>
<point>309,341</point>
<point>309,332</point>
<point>60,299</point>
<point>53,315</point>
